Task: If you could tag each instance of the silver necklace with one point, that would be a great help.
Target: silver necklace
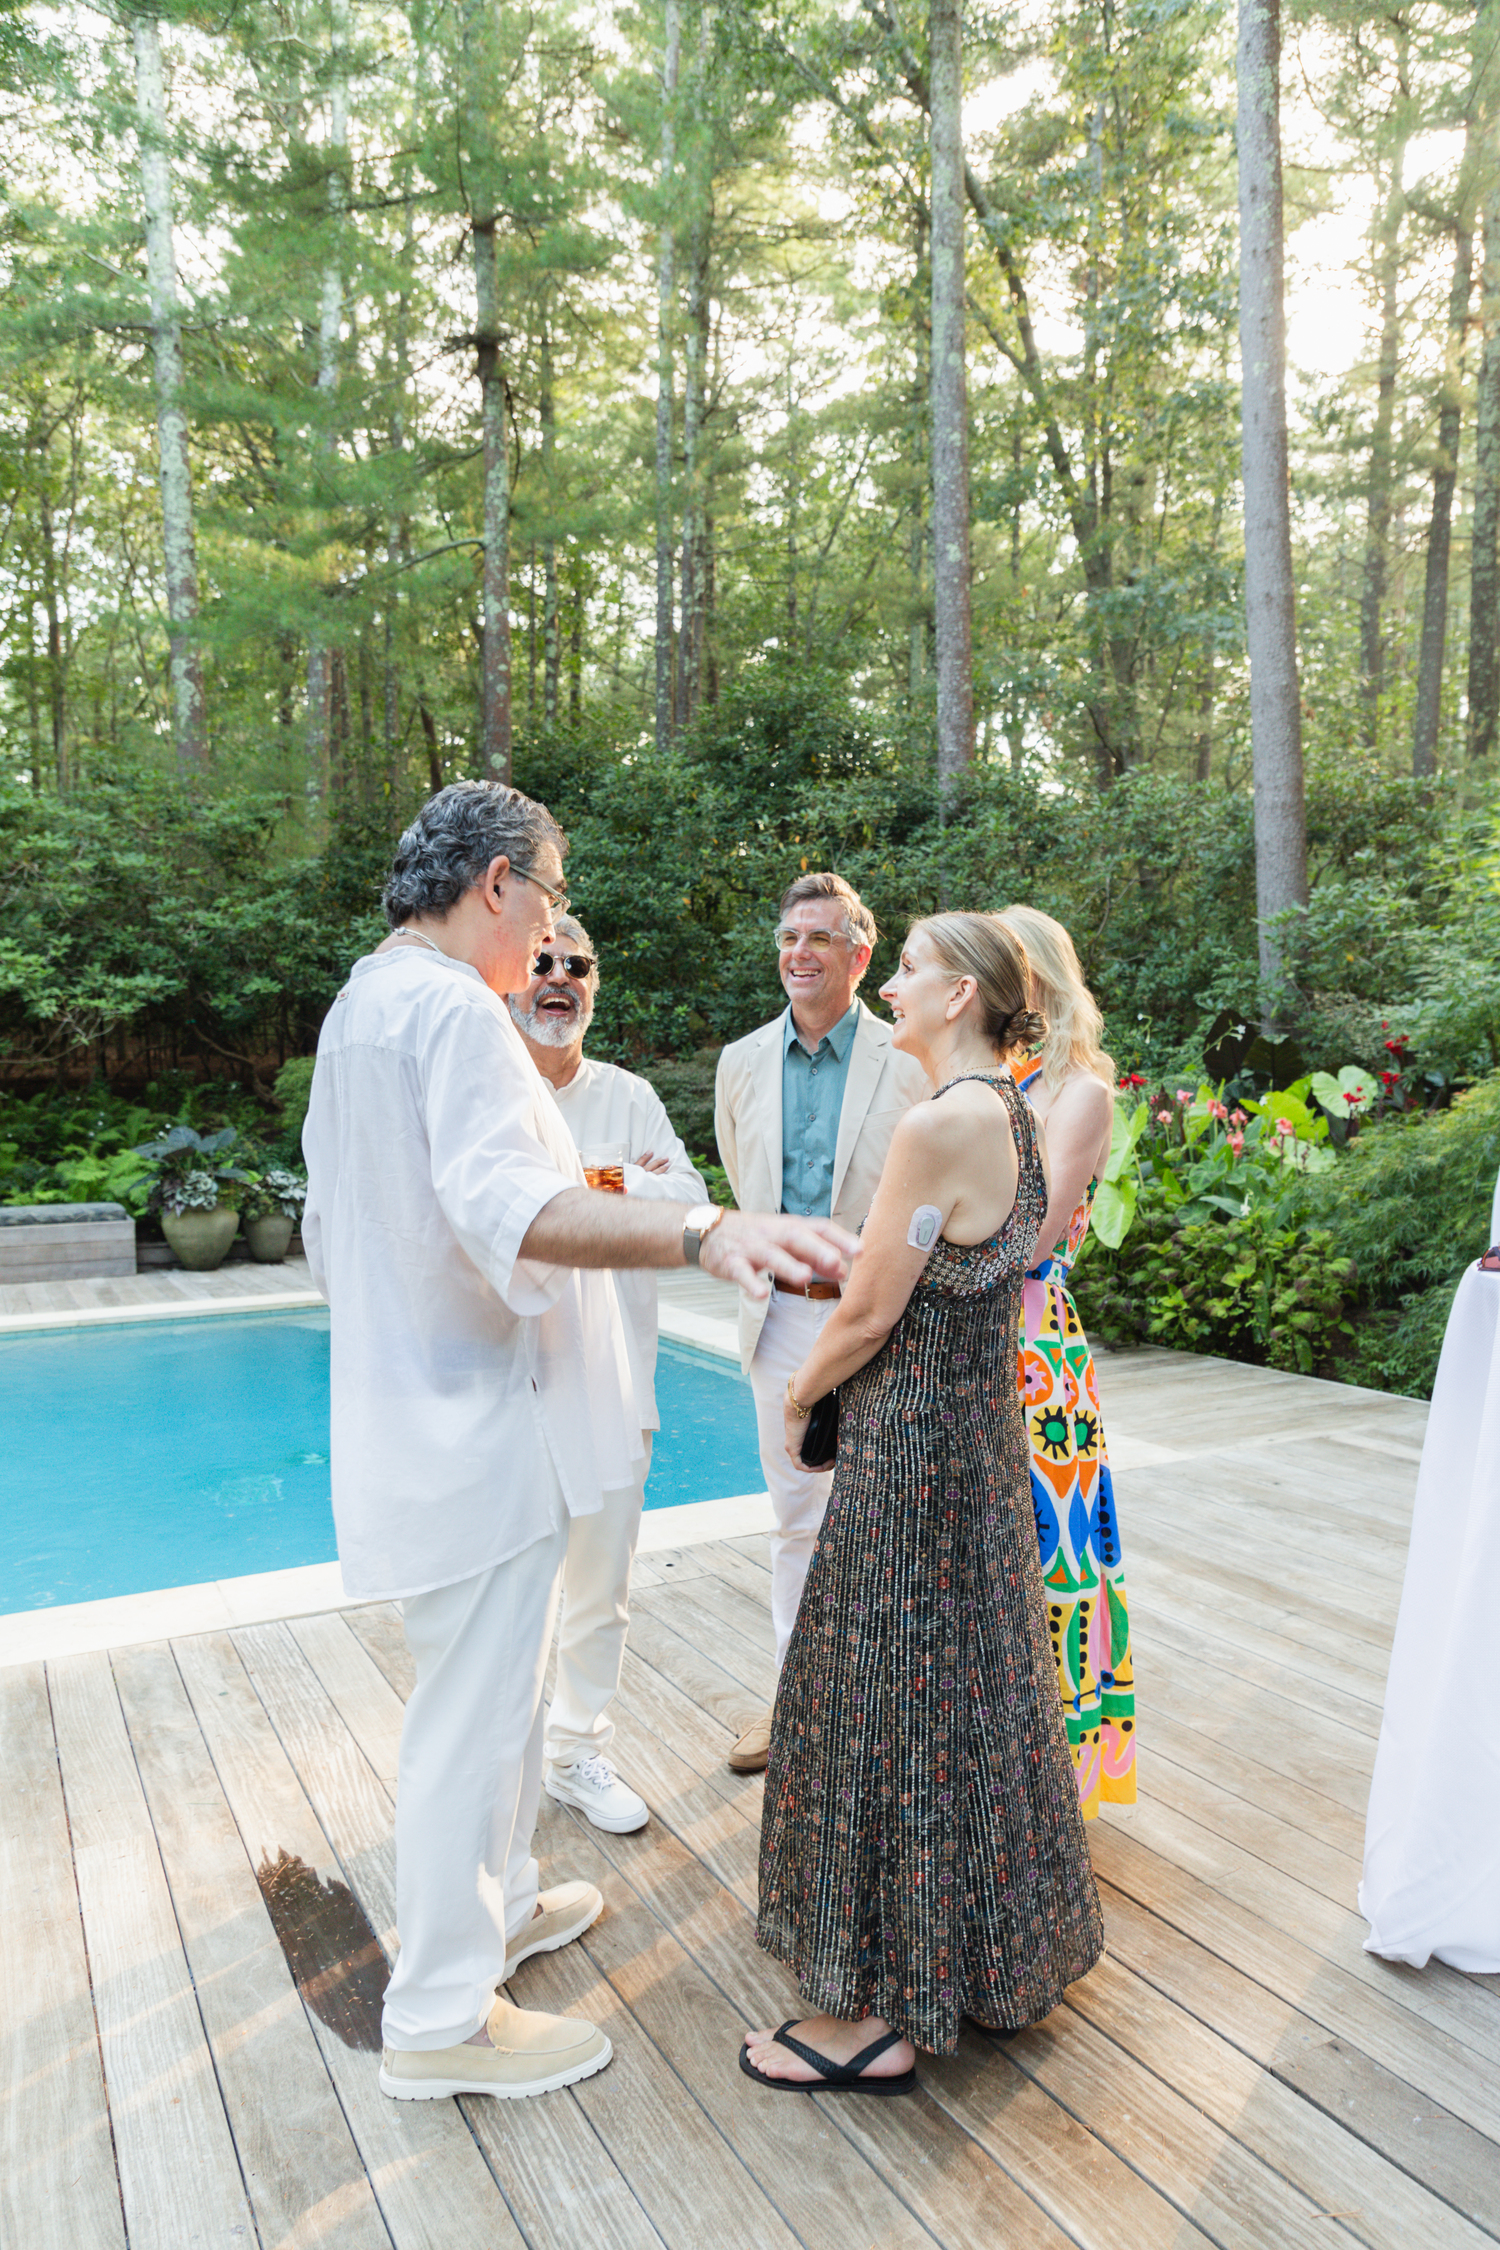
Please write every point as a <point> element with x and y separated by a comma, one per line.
<point>423,939</point>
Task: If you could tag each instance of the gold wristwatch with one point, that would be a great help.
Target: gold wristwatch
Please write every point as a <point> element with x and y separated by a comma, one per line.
<point>701,1220</point>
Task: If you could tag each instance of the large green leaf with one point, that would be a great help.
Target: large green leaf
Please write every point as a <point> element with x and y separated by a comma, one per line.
<point>1348,1095</point>
<point>1114,1210</point>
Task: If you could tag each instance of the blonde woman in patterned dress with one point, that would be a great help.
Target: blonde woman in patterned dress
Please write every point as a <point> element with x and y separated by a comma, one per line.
<point>1069,1082</point>
<point>923,1856</point>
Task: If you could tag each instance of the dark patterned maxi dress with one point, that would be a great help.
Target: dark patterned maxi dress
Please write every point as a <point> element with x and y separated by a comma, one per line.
<point>923,1855</point>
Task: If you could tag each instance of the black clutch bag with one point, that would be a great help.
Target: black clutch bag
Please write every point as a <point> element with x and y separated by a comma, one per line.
<point>820,1440</point>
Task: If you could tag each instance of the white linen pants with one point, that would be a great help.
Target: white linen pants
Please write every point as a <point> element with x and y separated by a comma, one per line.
<point>468,1787</point>
<point>595,1616</point>
<point>792,1327</point>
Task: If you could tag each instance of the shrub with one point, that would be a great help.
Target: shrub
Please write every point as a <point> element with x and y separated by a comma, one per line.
<point>293,1090</point>
<point>1243,1288</point>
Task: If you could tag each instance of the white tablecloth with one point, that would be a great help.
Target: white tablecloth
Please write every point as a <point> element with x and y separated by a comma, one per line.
<point>1432,1834</point>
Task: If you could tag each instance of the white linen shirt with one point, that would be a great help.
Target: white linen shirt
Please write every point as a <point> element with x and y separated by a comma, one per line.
<point>457,1366</point>
<point>604,1103</point>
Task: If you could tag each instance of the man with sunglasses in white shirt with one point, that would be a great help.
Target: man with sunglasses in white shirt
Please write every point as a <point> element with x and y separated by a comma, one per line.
<point>602,1106</point>
<point>804,1110</point>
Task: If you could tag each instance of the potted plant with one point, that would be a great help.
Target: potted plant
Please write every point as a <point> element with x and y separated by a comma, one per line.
<point>196,1190</point>
<point>271,1209</point>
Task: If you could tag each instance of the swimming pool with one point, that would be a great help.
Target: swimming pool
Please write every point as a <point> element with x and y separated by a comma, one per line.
<point>164,1453</point>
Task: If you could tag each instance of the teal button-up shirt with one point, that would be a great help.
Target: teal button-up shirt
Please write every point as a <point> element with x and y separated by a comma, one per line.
<point>812,1096</point>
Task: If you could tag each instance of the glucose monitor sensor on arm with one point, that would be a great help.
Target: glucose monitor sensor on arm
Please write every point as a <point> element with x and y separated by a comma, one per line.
<point>925,1221</point>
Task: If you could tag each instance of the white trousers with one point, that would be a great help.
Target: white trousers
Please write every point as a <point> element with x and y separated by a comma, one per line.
<point>468,1788</point>
<point>792,1327</point>
<point>595,1615</point>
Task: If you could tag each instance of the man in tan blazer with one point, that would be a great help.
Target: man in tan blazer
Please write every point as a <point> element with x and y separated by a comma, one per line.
<point>804,1110</point>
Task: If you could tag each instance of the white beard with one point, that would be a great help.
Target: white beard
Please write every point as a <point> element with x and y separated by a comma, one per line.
<point>550,1031</point>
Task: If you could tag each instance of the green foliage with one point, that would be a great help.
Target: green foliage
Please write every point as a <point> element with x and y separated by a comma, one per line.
<point>1409,1201</point>
<point>1243,1288</point>
<point>685,1084</point>
<point>192,1171</point>
<point>276,1193</point>
<point>293,1089</point>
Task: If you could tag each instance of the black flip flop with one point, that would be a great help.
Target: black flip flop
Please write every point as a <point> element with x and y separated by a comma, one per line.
<point>836,2078</point>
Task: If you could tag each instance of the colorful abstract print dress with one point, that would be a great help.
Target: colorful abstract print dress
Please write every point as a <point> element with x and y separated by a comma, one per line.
<point>1078,1528</point>
<point>922,1853</point>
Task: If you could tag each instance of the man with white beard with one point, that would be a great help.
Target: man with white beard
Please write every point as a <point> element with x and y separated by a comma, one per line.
<point>601,1104</point>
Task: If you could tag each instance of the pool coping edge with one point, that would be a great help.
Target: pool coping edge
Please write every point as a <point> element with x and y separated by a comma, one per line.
<point>218,1605</point>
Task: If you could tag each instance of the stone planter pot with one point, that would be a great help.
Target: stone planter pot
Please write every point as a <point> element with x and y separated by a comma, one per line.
<point>201,1239</point>
<point>269,1238</point>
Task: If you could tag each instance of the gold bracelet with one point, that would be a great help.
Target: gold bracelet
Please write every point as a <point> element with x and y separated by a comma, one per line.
<point>797,1408</point>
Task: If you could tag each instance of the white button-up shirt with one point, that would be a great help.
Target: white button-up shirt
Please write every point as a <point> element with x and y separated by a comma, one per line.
<point>604,1103</point>
<point>457,1365</point>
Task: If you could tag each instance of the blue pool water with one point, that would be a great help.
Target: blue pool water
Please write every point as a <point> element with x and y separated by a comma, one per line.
<point>169,1452</point>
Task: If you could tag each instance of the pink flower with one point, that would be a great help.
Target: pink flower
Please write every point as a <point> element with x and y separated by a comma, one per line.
<point>1217,1109</point>
<point>1183,1098</point>
<point>1239,1118</point>
<point>1285,1129</point>
<point>1237,1142</point>
<point>1164,1117</point>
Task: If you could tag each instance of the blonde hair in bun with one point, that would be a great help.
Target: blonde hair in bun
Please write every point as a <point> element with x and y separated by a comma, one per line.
<point>981,947</point>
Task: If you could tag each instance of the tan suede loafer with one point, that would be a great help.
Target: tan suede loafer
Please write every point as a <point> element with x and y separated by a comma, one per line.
<point>750,1753</point>
<point>566,1912</point>
<point>529,2053</point>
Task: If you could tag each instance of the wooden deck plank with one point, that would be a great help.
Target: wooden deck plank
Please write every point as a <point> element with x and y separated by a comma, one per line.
<point>938,2173</point>
<point>1387,2025</point>
<point>652,2103</point>
<point>57,2173</point>
<point>1215,1654</point>
<point>731,1676</point>
<point>356,1809</point>
<point>1285,2042</point>
<point>304,2175</point>
<point>1229,1767</point>
<point>432,2184</point>
<point>1286,2128</point>
<point>179,2172</point>
<point>1452,2003</point>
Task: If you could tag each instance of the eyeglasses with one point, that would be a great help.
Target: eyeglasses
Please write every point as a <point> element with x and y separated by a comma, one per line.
<point>556,899</point>
<point>577,964</point>
<point>819,940</point>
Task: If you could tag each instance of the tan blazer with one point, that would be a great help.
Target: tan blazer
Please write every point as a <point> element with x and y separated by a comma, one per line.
<point>879,1086</point>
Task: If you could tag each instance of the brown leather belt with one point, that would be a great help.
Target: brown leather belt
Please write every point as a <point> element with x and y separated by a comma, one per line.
<point>820,1291</point>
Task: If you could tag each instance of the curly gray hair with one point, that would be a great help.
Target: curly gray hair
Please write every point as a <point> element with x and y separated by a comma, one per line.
<point>452,841</point>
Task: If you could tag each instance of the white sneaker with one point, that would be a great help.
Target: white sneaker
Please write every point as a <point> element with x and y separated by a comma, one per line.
<point>592,1785</point>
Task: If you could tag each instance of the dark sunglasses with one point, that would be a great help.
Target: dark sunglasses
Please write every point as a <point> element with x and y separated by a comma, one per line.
<point>577,964</point>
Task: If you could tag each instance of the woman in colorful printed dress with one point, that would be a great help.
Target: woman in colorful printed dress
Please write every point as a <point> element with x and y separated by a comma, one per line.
<point>922,1853</point>
<point>1069,1081</point>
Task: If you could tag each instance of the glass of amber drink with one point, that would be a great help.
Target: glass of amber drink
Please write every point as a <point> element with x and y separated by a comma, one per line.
<point>604,1166</point>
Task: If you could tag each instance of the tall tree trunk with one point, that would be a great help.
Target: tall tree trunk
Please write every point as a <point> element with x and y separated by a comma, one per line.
<point>322,751</point>
<point>694,378</point>
<point>1440,528</point>
<point>1484,574</point>
<point>1378,526</point>
<point>180,555</point>
<point>398,521</point>
<point>666,284</point>
<point>950,405</point>
<point>919,622</point>
<point>695,344</point>
<point>551,622</point>
<point>57,697</point>
<point>494,657</point>
<point>575,644</point>
<point>1270,609</point>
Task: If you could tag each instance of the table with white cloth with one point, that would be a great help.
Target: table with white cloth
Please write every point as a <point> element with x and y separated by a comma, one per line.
<point>1432,1835</point>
